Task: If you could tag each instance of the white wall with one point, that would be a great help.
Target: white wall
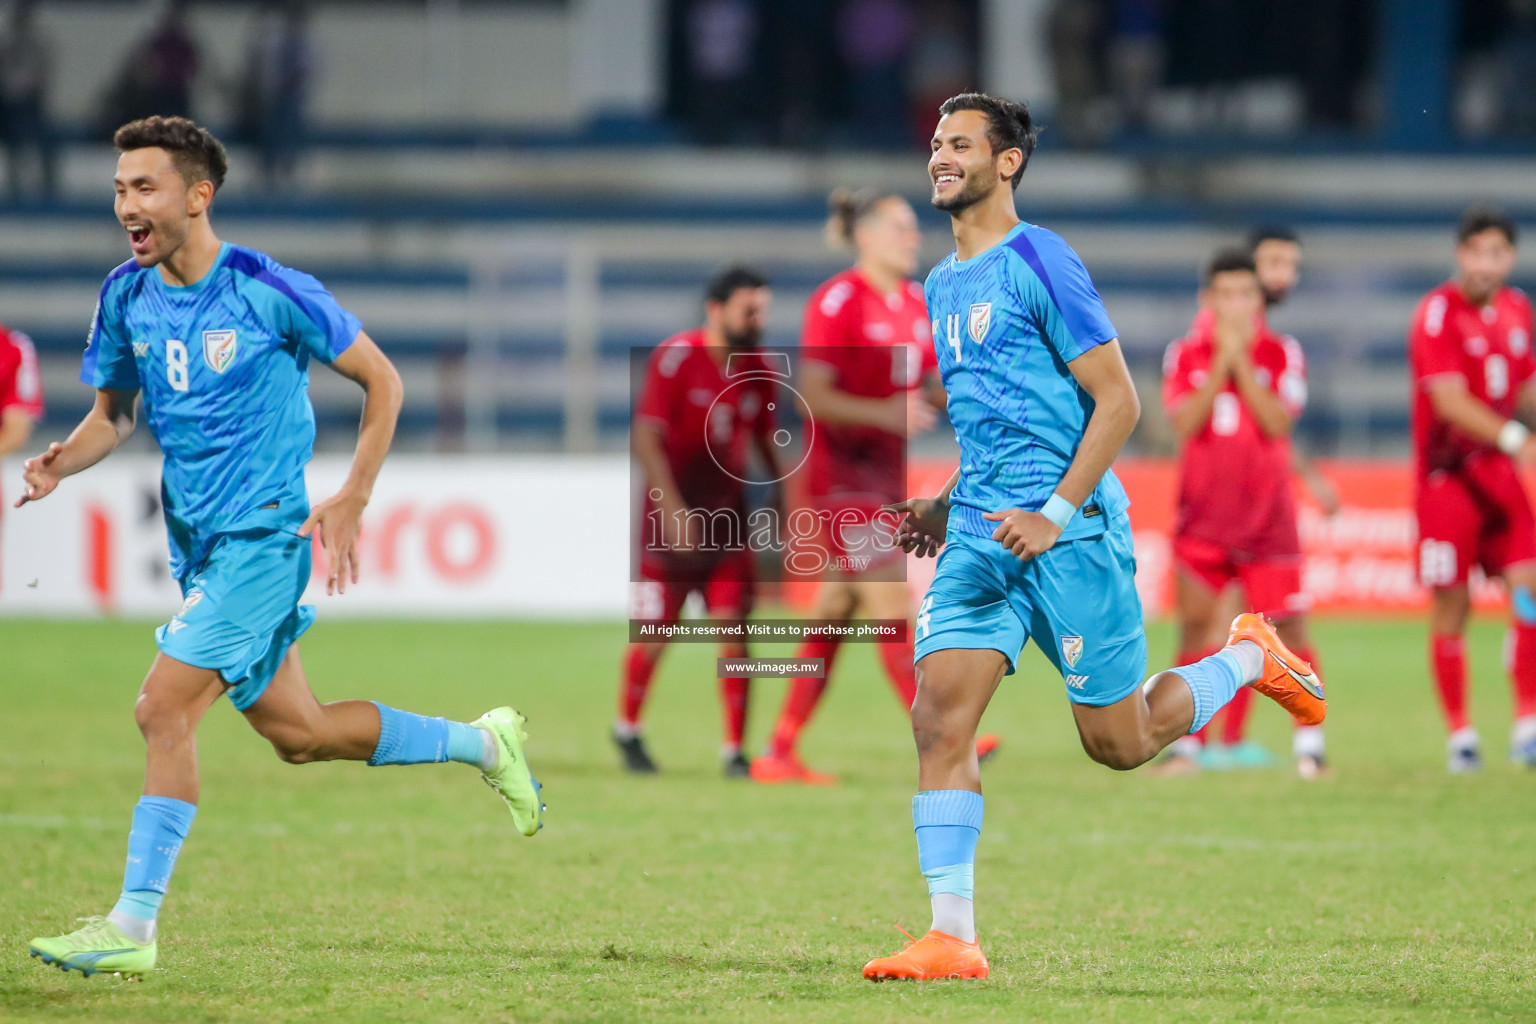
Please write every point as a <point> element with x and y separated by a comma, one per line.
<point>443,537</point>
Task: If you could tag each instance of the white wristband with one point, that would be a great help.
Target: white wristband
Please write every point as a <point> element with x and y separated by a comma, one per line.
<point>1059,511</point>
<point>1512,437</point>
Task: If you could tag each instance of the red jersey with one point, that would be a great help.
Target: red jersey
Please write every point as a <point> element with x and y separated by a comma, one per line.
<point>1234,482</point>
<point>21,387</point>
<point>707,419</point>
<point>876,346</point>
<point>1489,347</point>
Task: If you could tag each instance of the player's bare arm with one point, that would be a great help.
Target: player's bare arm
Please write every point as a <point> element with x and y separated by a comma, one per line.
<point>110,420</point>
<point>646,443</point>
<point>925,521</point>
<point>905,413</point>
<point>1457,406</point>
<point>1265,405</point>
<point>1193,411</point>
<point>15,430</point>
<point>1101,371</point>
<point>340,516</point>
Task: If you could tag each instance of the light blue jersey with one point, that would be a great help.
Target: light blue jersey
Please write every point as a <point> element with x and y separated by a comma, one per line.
<point>223,365</point>
<point>1006,323</point>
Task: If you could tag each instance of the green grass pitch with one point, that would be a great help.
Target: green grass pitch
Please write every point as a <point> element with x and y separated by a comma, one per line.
<point>340,893</point>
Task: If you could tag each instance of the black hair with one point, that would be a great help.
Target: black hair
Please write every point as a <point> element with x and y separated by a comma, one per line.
<point>1225,261</point>
<point>846,207</point>
<point>1271,233</point>
<point>1485,218</point>
<point>195,152</point>
<point>732,280</point>
<point>1009,125</point>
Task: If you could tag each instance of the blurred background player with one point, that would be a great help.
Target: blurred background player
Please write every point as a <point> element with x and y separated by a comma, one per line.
<point>693,435</point>
<point>21,390</point>
<point>1470,356</point>
<point>870,377</point>
<point>1275,255</point>
<point>229,407</point>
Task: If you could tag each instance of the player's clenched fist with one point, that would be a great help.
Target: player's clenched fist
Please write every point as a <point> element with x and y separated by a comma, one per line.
<point>923,525</point>
<point>1026,534</point>
<point>41,474</point>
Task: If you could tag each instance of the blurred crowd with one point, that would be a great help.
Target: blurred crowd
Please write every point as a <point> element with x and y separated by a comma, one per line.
<point>157,75</point>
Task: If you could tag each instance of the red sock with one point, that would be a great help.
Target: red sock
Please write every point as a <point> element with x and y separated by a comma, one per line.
<point>1235,716</point>
<point>733,705</point>
<point>1522,674</point>
<point>1189,658</point>
<point>897,658</point>
<point>804,694</point>
<point>638,669</point>
<point>1448,656</point>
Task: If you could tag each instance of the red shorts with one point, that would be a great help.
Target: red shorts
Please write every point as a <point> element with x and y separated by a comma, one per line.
<point>858,537</point>
<point>1477,515</point>
<point>727,585</point>
<point>1273,585</point>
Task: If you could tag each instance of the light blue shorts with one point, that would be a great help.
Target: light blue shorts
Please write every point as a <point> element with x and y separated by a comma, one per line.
<point>1078,601</point>
<point>241,610</point>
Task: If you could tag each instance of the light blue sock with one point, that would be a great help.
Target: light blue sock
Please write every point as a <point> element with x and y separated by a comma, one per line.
<point>160,826</point>
<point>948,824</point>
<point>405,738</point>
<point>1212,682</point>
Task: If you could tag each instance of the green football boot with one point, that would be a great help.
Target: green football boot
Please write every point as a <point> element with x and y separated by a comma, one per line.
<point>98,948</point>
<point>512,777</point>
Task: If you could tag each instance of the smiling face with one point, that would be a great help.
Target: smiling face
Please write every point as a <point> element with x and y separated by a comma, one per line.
<point>962,166</point>
<point>155,204</point>
<point>1483,263</point>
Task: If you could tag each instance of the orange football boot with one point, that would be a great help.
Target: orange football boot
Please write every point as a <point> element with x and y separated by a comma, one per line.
<point>1286,679</point>
<point>774,769</point>
<point>986,746</point>
<point>935,955</point>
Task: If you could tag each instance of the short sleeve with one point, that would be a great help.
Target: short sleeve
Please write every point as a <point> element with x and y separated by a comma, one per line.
<point>830,325</point>
<point>1525,361</point>
<point>22,388</point>
<point>1291,383</point>
<point>1435,348</point>
<point>108,361</point>
<point>655,402</point>
<point>1178,374</point>
<point>314,318</point>
<point>1057,292</point>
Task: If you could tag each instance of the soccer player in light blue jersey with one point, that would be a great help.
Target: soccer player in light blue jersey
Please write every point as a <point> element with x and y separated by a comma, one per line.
<point>217,339</point>
<point>1033,525</point>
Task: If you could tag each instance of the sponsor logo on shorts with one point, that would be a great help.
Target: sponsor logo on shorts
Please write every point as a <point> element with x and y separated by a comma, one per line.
<point>1077,682</point>
<point>1071,650</point>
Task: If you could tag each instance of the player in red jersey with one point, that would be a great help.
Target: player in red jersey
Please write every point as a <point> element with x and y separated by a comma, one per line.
<point>870,378</point>
<point>704,403</point>
<point>21,390</point>
<point>1469,350</point>
<point>1233,389</point>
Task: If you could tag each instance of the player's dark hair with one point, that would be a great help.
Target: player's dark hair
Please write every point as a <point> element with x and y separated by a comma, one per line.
<point>195,152</point>
<point>732,280</point>
<point>1009,125</point>
<point>1271,233</point>
<point>1225,261</point>
<point>1485,218</point>
<point>846,207</point>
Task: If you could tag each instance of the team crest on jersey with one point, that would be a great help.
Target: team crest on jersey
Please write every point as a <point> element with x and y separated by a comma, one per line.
<point>193,597</point>
<point>219,349</point>
<point>1071,650</point>
<point>981,319</point>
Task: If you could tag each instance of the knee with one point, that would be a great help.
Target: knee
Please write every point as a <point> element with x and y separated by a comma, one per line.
<point>1117,753</point>
<point>159,719</point>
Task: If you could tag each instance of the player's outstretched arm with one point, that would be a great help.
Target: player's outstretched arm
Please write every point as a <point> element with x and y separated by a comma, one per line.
<point>1101,371</point>
<point>110,420</point>
<point>340,516</point>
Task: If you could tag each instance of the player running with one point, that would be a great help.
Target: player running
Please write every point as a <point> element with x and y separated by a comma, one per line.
<point>1233,389</point>
<point>1470,353</point>
<point>1038,543</point>
<point>218,338</point>
<point>692,432</point>
<point>870,377</point>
